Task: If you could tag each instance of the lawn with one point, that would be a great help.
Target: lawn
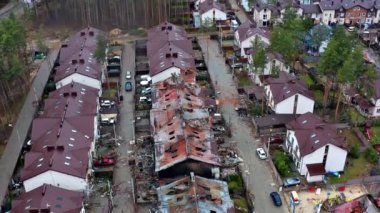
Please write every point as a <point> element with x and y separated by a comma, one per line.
<point>375,134</point>
<point>241,204</point>
<point>307,79</point>
<point>351,137</point>
<point>356,168</point>
<point>355,116</point>
<point>244,81</point>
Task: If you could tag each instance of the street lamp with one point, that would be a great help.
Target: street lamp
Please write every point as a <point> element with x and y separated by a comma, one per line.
<point>270,138</point>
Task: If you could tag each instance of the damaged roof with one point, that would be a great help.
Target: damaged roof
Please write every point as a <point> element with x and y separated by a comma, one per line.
<point>287,85</point>
<point>196,194</point>
<point>312,133</point>
<point>48,197</point>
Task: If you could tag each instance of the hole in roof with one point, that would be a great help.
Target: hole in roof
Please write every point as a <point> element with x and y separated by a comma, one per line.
<point>67,163</point>
<point>70,144</point>
<point>305,121</point>
<point>41,159</point>
<point>68,157</point>
<point>39,165</point>
<point>73,130</point>
<point>27,207</point>
<point>86,136</point>
<point>72,139</point>
<point>313,135</point>
<point>172,138</point>
<point>317,141</point>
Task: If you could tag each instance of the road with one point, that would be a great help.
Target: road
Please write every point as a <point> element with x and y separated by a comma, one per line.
<point>123,200</point>
<point>21,127</point>
<point>239,11</point>
<point>257,173</point>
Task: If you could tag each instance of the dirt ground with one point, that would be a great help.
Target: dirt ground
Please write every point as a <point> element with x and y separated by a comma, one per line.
<point>310,199</point>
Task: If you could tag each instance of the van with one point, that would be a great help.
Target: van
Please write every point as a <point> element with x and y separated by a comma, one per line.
<point>294,197</point>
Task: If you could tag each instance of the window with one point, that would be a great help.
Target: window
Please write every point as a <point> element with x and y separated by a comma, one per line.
<point>265,17</point>
<point>378,110</point>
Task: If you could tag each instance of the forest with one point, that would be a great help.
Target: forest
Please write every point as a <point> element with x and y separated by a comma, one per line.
<point>123,14</point>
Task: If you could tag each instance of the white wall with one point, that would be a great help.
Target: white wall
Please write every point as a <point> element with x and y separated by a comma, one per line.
<point>304,105</point>
<point>76,77</point>
<point>247,43</point>
<point>317,178</point>
<point>377,17</point>
<point>268,68</point>
<point>328,15</point>
<point>314,157</point>
<point>165,74</point>
<point>258,16</point>
<point>336,159</point>
<point>237,40</point>
<point>285,106</point>
<point>219,15</point>
<point>56,179</point>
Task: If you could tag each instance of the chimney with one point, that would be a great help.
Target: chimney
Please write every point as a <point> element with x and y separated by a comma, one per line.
<point>81,61</point>
<point>50,148</point>
<point>82,33</point>
<point>192,178</point>
<point>74,61</point>
<point>43,190</point>
<point>60,148</point>
<point>91,33</point>
<point>175,55</point>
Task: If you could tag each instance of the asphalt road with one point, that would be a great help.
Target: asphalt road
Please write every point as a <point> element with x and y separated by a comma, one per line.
<point>20,128</point>
<point>123,200</point>
<point>257,173</point>
<point>239,12</point>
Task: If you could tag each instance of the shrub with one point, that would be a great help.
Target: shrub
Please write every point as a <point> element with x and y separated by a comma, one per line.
<point>355,151</point>
<point>371,155</point>
<point>234,182</point>
<point>281,161</point>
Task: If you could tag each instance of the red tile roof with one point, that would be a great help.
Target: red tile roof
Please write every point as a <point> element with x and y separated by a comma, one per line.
<point>49,197</point>
<point>312,133</point>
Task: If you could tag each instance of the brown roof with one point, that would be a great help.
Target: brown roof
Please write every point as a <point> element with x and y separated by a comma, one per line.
<point>49,197</point>
<point>287,85</point>
<point>199,195</point>
<point>312,133</point>
<point>275,55</point>
<point>72,106</point>
<point>273,120</point>
<point>82,63</point>
<point>316,169</point>
<point>248,29</point>
<point>69,89</point>
<point>311,8</point>
<point>211,4</point>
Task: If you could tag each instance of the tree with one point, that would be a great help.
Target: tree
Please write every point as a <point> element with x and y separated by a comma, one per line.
<point>355,151</point>
<point>101,46</point>
<point>319,34</point>
<point>352,68</point>
<point>371,155</point>
<point>259,57</point>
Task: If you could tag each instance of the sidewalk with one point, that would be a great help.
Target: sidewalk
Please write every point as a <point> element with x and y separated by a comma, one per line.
<point>20,129</point>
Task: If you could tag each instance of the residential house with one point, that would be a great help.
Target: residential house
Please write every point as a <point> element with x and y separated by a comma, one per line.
<point>169,51</point>
<point>288,95</point>
<point>315,147</point>
<point>359,11</point>
<point>48,198</point>
<point>246,33</point>
<point>328,8</point>
<point>265,12</point>
<point>194,194</point>
<point>274,60</point>
<point>313,11</point>
<point>213,11</point>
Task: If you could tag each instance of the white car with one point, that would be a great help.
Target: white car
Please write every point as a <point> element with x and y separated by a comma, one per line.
<point>128,76</point>
<point>261,153</point>
<point>351,29</point>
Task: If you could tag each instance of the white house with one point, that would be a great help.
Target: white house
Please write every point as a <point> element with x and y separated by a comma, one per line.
<point>288,95</point>
<point>48,198</point>
<point>274,61</point>
<point>212,10</point>
<point>246,33</point>
<point>262,13</point>
<point>328,10</point>
<point>316,147</point>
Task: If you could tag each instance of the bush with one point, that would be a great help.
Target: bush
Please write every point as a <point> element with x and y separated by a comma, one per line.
<point>371,155</point>
<point>234,182</point>
<point>281,161</point>
<point>355,151</point>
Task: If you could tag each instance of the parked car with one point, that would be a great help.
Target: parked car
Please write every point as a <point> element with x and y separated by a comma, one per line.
<point>237,65</point>
<point>144,83</point>
<point>144,99</point>
<point>107,103</point>
<point>276,198</point>
<point>128,76</point>
<point>288,182</point>
<point>128,86</point>
<point>261,153</point>
<point>107,121</point>
<point>146,77</point>
<point>147,90</point>
<point>104,162</point>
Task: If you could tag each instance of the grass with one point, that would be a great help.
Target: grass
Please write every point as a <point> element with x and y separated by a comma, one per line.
<point>307,79</point>
<point>241,204</point>
<point>110,93</point>
<point>234,182</point>
<point>354,115</point>
<point>318,96</point>
<point>244,81</point>
<point>350,137</point>
<point>375,135</point>
<point>356,168</point>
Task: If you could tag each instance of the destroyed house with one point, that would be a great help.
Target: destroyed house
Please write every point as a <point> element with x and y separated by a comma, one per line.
<point>194,194</point>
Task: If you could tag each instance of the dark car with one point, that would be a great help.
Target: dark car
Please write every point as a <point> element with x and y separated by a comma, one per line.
<point>288,182</point>
<point>128,86</point>
<point>276,198</point>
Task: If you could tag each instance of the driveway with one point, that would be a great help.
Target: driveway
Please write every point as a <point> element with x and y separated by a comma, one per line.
<point>257,173</point>
<point>239,11</point>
